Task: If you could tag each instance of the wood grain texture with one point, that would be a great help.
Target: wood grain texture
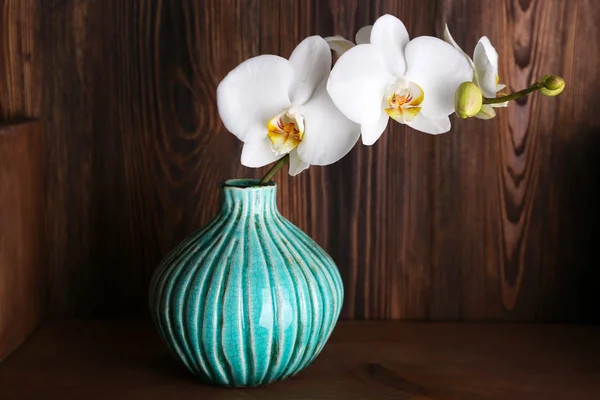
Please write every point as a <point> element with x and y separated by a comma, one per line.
<point>493,221</point>
<point>20,92</point>
<point>363,360</point>
<point>22,245</point>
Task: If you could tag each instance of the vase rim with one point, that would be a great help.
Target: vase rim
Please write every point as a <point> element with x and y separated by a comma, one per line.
<point>246,184</point>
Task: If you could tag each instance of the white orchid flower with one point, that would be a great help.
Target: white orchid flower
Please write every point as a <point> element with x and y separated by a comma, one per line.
<point>278,107</point>
<point>412,81</point>
<point>485,71</point>
<point>340,44</point>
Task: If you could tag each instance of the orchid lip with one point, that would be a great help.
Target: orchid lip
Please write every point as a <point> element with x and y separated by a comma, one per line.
<point>404,99</point>
<point>285,131</point>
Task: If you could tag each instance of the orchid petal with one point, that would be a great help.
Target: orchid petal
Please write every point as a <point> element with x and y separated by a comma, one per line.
<point>391,37</point>
<point>438,69</point>
<point>258,154</point>
<point>357,84</point>
<point>297,165</point>
<point>371,133</point>
<point>311,61</point>
<point>449,39</point>
<point>363,36</point>
<point>328,135</point>
<point>485,58</point>
<point>500,86</point>
<point>339,44</point>
<point>433,126</point>
<point>250,95</point>
<point>486,112</point>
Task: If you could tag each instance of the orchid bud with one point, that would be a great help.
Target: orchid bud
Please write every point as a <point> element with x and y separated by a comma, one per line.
<point>468,100</point>
<point>553,85</point>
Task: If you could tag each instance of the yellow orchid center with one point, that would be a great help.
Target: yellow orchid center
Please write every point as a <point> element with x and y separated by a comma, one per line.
<point>404,100</point>
<point>285,132</point>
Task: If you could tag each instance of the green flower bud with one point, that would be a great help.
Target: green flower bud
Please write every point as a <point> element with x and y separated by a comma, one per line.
<point>468,100</point>
<point>553,85</point>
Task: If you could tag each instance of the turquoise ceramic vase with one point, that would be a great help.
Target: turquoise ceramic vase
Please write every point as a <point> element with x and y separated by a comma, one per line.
<point>249,299</point>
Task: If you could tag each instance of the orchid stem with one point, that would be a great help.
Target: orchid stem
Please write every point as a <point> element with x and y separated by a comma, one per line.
<point>516,95</point>
<point>274,169</point>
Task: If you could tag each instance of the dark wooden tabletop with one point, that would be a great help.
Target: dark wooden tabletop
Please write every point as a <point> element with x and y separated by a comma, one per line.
<point>363,360</point>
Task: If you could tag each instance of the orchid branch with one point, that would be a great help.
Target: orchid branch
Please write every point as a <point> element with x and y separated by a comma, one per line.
<point>274,169</point>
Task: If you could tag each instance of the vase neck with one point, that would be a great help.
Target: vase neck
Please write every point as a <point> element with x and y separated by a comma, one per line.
<point>244,195</point>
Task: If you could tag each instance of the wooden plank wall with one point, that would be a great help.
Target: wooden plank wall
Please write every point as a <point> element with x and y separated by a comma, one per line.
<point>20,84</point>
<point>493,221</point>
<point>22,244</point>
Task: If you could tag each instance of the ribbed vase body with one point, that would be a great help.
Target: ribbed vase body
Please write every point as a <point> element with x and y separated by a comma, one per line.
<point>249,299</point>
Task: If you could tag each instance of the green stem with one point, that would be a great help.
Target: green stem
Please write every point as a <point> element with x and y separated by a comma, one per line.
<point>516,95</point>
<point>274,169</point>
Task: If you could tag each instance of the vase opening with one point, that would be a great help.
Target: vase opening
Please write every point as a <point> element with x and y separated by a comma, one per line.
<point>241,194</point>
<point>246,184</point>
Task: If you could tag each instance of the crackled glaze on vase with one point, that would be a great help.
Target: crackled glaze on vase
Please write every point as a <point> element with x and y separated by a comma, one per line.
<point>249,299</point>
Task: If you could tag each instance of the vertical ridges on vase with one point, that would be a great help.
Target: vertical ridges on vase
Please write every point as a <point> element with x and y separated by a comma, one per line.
<point>250,298</point>
<point>319,303</point>
<point>210,334</point>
